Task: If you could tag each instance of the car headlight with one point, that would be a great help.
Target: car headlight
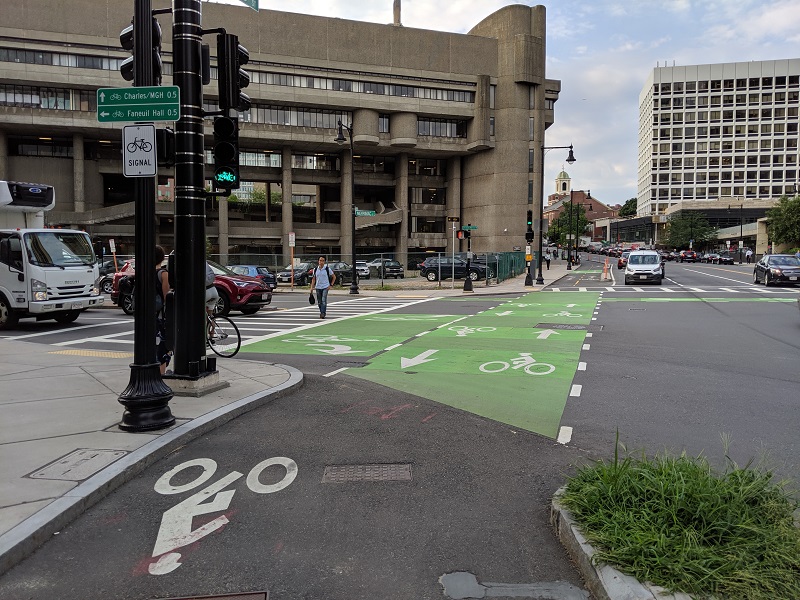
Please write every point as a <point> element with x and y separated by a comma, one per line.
<point>38,290</point>
<point>657,270</point>
<point>95,290</point>
<point>242,283</point>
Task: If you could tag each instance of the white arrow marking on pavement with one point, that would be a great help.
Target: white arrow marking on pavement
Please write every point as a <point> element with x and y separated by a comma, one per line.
<point>506,313</point>
<point>546,334</point>
<point>417,360</point>
<point>571,305</point>
<point>334,348</point>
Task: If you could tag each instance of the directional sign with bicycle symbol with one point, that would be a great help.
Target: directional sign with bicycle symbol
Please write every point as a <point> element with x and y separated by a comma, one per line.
<point>139,143</point>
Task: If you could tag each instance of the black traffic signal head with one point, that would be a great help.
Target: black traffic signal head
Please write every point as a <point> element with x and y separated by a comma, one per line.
<point>529,236</point>
<point>231,56</point>
<point>226,153</point>
<point>127,41</point>
<point>530,219</point>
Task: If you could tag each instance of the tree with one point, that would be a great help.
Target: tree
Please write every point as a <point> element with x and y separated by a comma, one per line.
<point>784,221</point>
<point>563,225</point>
<point>689,225</point>
<point>628,209</point>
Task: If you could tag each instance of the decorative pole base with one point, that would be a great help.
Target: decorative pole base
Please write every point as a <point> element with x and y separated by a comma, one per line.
<point>354,289</point>
<point>468,284</point>
<point>146,400</point>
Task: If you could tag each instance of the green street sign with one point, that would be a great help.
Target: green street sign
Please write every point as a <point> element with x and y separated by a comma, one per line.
<point>251,3</point>
<point>139,104</point>
<point>365,213</point>
<point>468,227</point>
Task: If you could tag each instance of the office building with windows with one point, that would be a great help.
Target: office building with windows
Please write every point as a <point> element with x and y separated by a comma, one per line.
<point>444,125</point>
<point>717,132</point>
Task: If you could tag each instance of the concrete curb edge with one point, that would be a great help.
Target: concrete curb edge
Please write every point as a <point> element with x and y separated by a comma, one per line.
<point>605,582</point>
<point>21,541</point>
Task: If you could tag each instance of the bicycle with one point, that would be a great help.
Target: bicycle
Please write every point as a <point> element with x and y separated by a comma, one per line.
<point>222,336</point>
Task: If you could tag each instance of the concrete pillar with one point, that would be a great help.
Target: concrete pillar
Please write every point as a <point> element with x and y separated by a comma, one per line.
<point>287,223</point>
<point>223,239</point>
<point>268,192</point>
<point>453,198</point>
<point>4,175</point>
<point>401,200</point>
<point>318,204</point>
<point>78,173</point>
<point>346,193</point>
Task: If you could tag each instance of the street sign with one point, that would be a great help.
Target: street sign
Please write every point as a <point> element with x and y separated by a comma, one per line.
<point>468,227</point>
<point>365,213</point>
<point>251,3</point>
<point>454,219</point>
<point>111,246</point>
<point>135,104</point>
<point>139,151</point>
<point>291,239</point>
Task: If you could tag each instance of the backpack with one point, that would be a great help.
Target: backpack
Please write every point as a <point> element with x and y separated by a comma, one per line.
<point>159,295</point>
<point>209,276</point>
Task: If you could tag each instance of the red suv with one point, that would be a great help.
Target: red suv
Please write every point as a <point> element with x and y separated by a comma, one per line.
<point>236,292</point>
<point>688,256</point>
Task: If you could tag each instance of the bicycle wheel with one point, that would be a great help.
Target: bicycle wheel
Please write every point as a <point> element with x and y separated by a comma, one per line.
<point>539,369</point>
<point>223,337</point>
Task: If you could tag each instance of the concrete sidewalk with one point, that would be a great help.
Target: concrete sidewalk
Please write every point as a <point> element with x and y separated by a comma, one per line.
<point>62,450</point>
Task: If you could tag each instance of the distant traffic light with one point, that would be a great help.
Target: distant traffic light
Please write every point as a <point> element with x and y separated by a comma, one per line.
<point>231,56</point>
<point>530,219</point>
<point>460,234</point>
<point>226,153</point>
<point>126,40</point>
<point>529,231</point>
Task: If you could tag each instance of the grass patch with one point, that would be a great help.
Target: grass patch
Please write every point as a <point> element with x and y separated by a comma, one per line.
<point>673,521</point>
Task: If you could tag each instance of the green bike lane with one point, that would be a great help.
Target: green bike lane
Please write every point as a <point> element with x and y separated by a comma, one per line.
<point>513,363</point>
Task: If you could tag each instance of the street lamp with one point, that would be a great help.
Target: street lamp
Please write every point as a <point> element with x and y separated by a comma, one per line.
<point>570,160</point>
<point>577,224</point>
<point>340,139</point>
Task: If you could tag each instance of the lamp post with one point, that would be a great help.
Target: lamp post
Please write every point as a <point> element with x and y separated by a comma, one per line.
<point>340,139</point>
<point>570,160</point>
<point>569,234</point>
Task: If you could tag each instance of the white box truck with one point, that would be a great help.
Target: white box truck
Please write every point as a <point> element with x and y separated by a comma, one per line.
<point>44,273</point>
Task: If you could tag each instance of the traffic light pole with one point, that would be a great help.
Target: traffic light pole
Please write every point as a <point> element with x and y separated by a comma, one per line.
<point>190,197</point>
<point>146,399</point>
<point>467,279</point>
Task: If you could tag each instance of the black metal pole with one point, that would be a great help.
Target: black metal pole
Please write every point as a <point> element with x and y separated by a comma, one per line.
<point>539,276</point>
<point>354,282</point>
<point>741,231</point>
<point>190,210</point>
<point>467,280</point>
<point>146,399</point>
<point>569,234</point>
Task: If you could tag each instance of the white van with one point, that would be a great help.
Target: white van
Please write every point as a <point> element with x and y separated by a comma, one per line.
<point>644,265</point>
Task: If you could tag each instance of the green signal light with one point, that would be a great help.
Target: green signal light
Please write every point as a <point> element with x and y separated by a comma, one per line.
<point>225,177</point>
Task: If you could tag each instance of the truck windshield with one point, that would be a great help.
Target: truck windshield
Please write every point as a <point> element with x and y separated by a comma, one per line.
<point>59,249</point>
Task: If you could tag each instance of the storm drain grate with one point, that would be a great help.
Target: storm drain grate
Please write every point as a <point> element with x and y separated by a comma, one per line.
<point>637,309</point>
<point>558,326</point>
<point>347,473</point>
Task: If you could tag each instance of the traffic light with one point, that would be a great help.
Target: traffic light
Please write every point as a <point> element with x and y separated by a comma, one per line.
<point>126,40</point>
<point>529,236</point>
<point>529,232</point>
<point>226,153</point>
<point>467,234</point>
<point>530,219</point>
<point>231,56</point>
<point>460,234</point>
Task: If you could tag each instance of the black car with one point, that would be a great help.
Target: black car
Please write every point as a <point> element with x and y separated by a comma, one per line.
<point>386,269</point>
<point>723,259</point>
<point>343,272</point>
<point>688,256</point>
<point>302,274</point>
<point>432,266</point>
<point>777,268</point>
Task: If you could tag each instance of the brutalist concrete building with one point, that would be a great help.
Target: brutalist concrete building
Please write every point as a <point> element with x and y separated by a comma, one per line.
<point>444,125</point>
<point>718,132</point>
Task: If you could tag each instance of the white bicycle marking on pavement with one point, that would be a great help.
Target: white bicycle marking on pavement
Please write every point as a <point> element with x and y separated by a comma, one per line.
<point>523,361</point>
<point>563,313</point>
<point>464,330</point>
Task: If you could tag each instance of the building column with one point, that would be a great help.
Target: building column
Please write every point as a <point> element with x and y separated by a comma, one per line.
<point>453,198</point>
<point>4,175</point>
<point>266,202</point>
<point>346,232</point>
<point>223,231</point>
<point>401,200</point>
<point>78,174</point>
<point>287,223</point>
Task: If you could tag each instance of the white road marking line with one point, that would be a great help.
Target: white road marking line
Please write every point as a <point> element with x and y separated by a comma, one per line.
<point>638,289</point>
<point>611,289</point>
<point>583,289</point>
<point>594,318</point>
<point>392,347</point>
<point>564,435</point>
<point>575,392</point>
<point>335,372</point>
<point>589,334</point>
<point>581,366</point>
<point>586,347</point>
<point>555,289</point>
<point>70,330</point>
<point>421,334</point>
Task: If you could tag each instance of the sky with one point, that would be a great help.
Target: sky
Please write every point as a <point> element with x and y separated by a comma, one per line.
<point>603,52</point>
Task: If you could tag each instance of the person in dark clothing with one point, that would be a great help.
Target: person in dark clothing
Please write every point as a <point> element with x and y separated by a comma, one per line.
<point>163,354</point>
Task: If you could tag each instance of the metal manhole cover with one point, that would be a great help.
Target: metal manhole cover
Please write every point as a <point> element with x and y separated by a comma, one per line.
<point>558,326</point>
<point>637,309</point>
<point>385,472</point>
<point>78,465</point>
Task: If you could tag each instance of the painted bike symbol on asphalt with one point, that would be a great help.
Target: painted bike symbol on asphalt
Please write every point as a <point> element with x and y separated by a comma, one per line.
<point>563,313</point>
<point>318,343</point>
<point>464,330</point>
<point>523,361</point>
<point>176,524</point>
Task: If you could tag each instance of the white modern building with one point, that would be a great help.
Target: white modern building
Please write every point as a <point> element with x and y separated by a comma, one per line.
<point>709,132</point>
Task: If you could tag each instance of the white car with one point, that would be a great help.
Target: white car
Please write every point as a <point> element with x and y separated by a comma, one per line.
<point>362,268</point>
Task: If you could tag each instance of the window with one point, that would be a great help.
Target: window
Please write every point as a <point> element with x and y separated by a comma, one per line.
<point>383,123</point>
<point>491,126</point>
<point>492,93</point>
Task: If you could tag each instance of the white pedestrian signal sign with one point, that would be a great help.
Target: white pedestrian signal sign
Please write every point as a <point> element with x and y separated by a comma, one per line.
<point>139,151</point>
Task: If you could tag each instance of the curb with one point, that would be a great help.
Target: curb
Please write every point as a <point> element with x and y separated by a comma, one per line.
<point>605,582</point>
<point>21,541</point>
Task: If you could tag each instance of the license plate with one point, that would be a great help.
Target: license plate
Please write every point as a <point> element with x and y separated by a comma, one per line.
<point>792,278</point>
<point>265,296</point>
<point>79,305</point>
<point>642,276</point>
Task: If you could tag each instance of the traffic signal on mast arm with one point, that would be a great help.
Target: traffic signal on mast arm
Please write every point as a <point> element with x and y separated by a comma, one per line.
<point>231,56</point>
<point>529,231</point>
<point>226,153</point>
<point>126,40</point>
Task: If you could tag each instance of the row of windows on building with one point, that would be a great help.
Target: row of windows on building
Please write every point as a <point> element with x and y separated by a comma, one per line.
<point>726,100</point>
<point>724,176</point>
<point>703,116</point>
<point>750,191</point>
<point>81,61</point>
<point>725,146</point>
<point>703,162</point>
<point>741,83</point>
<point>717,131</point>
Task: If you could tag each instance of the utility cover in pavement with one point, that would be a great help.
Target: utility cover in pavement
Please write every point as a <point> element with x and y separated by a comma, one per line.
<point>242,596</point>
<point>347,473</point>
<point>78,465</point>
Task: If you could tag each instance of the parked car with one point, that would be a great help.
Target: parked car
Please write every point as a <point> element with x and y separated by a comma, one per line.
<point>724,259</point>
<point>644,265</point>
<point>433,265</point>
<point>688,256</point>
<point>262,273</point>
<point>362,268</point>
<point>343,272</point>
<point>777,268</point>
<point>386,269</point>
<point>709,257</point>
<point>107,267</point>
<point>124,301</point>
<point>239,292</point>
<point>623,260</point>
<point>302,274</point>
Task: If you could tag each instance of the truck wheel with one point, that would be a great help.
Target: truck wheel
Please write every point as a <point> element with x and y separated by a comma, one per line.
<point>66,317</point>
<point>127,304</point>
<point>8,318</point>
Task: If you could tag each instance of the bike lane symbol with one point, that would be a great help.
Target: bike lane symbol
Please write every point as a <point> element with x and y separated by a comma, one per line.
<point>176,530</point>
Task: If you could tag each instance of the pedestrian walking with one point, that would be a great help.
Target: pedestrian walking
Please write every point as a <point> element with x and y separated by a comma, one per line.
<point>547,260</point>
<point>748,255</point>
<point>321,281</point>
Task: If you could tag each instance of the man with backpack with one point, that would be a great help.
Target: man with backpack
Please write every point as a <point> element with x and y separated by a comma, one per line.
<point>321,281</point>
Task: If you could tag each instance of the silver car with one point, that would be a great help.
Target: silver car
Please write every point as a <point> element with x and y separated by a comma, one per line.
<point>362,268</point>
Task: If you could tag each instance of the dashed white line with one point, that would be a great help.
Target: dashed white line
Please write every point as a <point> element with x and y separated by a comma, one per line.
<point>581,366</point>
<point>585,347</point>
<point>392,347</point>
<point>564,435</point>
<point>335,372</point>
<point>589,334</point>
<point>575,392</point>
